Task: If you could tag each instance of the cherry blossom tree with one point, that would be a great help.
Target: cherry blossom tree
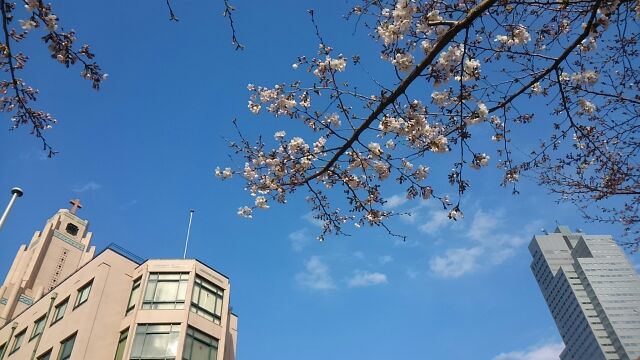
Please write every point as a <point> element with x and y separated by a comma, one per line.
<point>17,95</point>
<point>461,67</point>
<point>32,16</point>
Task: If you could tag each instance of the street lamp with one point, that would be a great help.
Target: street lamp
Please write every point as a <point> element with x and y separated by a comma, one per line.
<point>16,192</point>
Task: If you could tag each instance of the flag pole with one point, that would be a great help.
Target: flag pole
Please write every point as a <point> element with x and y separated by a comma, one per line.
<point>186,243</point>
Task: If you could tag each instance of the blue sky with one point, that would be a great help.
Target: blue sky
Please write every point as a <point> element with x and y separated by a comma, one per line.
<point>141,152</point>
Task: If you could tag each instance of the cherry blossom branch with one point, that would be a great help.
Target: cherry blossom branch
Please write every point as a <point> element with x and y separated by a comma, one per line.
<point>172,15</point>
<point>37,122</point>
<point>556,63</point>
<point>404,85</point>
<point>228,10</point>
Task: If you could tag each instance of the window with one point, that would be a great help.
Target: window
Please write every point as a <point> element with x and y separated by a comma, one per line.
<point>83,294</point>
<point>165,291</point>
<point>155,341</point>
<point>66,347</point>
<point>2,347</point>
<point>71,229</point>
<point>135,293</point>
<point>45,356</point>
<point>207,300</point>
<point>58,313</point>
<point>199,346</point>
<point>122,342</point>
<point>38,326</point>
<point>17,341</point>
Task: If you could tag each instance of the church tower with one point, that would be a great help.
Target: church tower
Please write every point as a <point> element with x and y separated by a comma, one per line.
<point>53,254</point>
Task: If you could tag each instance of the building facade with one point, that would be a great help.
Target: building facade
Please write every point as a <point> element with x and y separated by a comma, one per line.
<point>593,293</point>
<point>61,301</point>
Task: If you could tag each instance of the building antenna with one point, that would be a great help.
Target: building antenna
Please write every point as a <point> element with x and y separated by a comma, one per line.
<point>16,192</point>
<point>186,243</point>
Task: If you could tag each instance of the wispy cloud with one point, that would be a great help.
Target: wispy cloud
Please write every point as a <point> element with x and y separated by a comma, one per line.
<point>412,273</point>
<point>385,259</point>
<point>129,204</point>
<point>437,220</point>
<point>456,262</point>
<point>316,275</point>
<point>492,244</point>
<point>395,201</point>
<point>90,186</point>
<point>544,352</point>
<point>313,221</point>
<point>365,278</point>
<point>299,239</point>
<point>431,217</point>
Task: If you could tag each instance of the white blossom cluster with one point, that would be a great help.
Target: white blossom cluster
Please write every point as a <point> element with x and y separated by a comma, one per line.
<point>275,99</point>
<point>415,129</point>
<point>518,36</point>
<point>589,77</point>
<point>399,23</point>
<point>586,107</point>
<point>322,67</point>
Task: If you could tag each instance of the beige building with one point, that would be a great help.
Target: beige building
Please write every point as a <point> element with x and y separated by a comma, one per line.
<point>60,301</point>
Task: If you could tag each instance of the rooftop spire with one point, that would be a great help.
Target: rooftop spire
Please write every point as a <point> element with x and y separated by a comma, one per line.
<point>75,205</point>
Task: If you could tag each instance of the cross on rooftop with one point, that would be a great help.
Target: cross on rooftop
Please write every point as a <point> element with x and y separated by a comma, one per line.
<point>75,206</point>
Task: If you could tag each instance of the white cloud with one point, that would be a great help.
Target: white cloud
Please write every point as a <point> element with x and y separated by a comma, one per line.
<point>437,220</point>
<point>486,228</point>
<point>90,186</point>
<point>544,352</point>
<point>366,278</point>
<point>385,259</point>
<point>316,275</point>
<point>128,204</point>
<point>411,273</point>
<point>484,224</point>
<point>299,239</point>
<point>313,221</point>
<point>436,217</point>
<point>394,201</point>
<point>491,236</point>
<point>456,262</point>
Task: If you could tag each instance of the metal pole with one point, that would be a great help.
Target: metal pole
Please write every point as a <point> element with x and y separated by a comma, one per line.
<point>186,243</point>
<point>16,192</point>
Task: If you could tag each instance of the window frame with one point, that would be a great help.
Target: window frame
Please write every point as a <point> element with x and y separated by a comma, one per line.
<point>45,355</point>
<point>156,279</point>
<point>63,345</point>
<point>122,341</point>
<point>19,336</point>
<point>192,337</point>
<point>137,285</point>
<point>84,289</point>
<point>41,320</point>
<point>173,335</point>
<point>72,229</point>
<point>199,284</point>
<point>64,303</point>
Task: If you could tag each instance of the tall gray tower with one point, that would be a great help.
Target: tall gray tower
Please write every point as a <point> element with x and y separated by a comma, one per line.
<point>593,293</point>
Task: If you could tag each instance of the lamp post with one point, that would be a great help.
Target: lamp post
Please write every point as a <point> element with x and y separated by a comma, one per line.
<point>16,192</point>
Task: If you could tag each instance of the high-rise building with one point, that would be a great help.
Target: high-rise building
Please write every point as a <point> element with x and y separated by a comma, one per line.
<point>593,293</point>
<point>61,301</point>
